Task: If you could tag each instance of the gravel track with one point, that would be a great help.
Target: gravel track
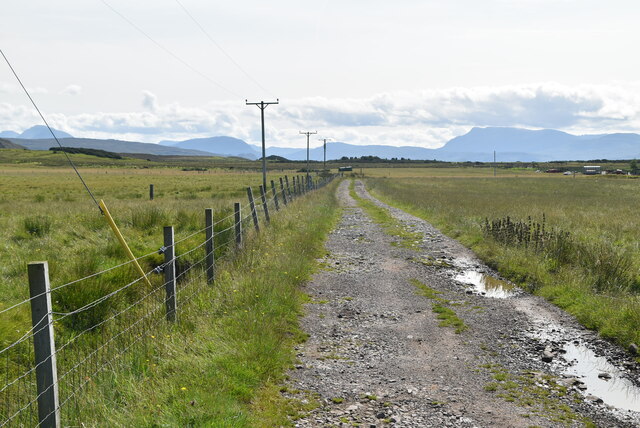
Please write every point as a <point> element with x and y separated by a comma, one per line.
<point>377,356</point>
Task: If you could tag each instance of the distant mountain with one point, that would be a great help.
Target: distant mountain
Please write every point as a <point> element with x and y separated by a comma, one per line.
<point>37,132</point>
<point>116,146</point>
<point>227,146</point>
<point>515,144</point>
<point>9,134</point>
<point>6,144</point>
<point>510,144</point>
<point>338,150</point>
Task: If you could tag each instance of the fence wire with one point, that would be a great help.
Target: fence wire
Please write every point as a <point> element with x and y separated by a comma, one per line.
<point>94,338</point>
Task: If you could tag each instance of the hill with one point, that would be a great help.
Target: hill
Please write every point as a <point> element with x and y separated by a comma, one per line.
<point>115,146</point>
<point>6,144</point>
<point>227,146</point>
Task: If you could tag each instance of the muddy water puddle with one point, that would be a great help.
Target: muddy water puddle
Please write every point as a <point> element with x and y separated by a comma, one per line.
<point>597,376</point>
<point>486,285</point>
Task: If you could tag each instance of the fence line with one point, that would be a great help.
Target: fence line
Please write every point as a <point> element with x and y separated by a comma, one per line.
<point>83,356</point>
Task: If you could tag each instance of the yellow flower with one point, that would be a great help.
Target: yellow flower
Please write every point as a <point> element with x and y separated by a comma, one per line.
<point>184,388</point>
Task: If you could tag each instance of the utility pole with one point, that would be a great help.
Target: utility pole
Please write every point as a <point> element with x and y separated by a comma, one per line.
<point>307,133</point>
<point>494,163</point>
<point>324,163</point>
<point>262,105</point>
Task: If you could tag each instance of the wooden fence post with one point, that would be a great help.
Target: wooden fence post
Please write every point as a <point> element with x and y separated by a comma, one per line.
<point>284,194</point>
<point>238,220</point>
<point>170,274</point>
<point>209,246</point>
<point>286,179</point>
<point>44,347</point>
<point>263,196</point>
<point>252,206</point>
<point>151,192</point>
<point>275,195</point>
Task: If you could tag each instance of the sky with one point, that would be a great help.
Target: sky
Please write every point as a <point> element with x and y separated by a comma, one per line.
<point>406,72</point>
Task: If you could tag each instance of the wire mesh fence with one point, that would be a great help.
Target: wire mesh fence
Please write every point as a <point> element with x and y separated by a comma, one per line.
<point>99,319</point>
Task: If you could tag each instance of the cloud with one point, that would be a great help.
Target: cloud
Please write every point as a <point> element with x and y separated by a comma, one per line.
<point>425,118</point>
<point>72,90</point>
<point>149,101</point>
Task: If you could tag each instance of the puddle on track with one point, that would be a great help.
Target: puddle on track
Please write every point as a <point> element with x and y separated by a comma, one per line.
<point>585,365</point>
<point>486,285</point>
<point>618,391</point>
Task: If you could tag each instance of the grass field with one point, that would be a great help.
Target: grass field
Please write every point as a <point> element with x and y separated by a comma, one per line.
<point>593,273</point>
<point>239,333</point>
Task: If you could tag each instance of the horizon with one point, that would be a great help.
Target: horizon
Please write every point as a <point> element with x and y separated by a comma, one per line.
<point>315,145</point>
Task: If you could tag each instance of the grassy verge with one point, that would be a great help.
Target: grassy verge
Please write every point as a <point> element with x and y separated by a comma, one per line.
<point>223,363</point>
<point>446,315</point>
<point>594,212</point>
<point>391,226</point>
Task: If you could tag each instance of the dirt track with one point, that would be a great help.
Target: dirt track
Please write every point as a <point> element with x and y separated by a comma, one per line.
<point>377,356</point>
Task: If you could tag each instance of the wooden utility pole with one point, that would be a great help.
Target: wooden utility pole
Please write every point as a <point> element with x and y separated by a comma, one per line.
<point>262,105</point>
<point>324,146</point>
<point>308,133</point>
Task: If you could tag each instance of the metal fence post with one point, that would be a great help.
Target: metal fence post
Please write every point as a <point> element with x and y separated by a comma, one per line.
<point>284,194</point>
<point>170,273</point>
<point>275,195</point>
<point>252,207</point>
<point>44,347</point>
<point>151,192</point>
<point>209,246</point>
<point>238,220</point>
<point>263,196</point>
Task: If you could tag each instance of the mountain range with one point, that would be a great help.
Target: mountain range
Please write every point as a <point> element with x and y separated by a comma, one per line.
<point>510,145</point>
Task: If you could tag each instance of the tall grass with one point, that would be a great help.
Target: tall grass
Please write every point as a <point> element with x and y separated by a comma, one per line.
<point>222,364</point>
<point>589,265</point>
<point>69,232</point>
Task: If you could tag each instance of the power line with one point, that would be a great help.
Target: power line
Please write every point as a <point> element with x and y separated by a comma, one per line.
<point>176,57</point>
<point>51,130</point>
<point>221,49</point>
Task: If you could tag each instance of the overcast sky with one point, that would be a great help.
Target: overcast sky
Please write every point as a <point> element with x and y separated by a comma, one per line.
<point>403,72</point>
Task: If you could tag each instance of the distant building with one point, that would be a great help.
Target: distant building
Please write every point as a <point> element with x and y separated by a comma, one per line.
<point>591,170</point>
<point>345,168</point>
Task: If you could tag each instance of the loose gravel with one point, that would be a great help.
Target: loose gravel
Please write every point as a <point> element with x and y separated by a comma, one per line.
<point>376,355</point>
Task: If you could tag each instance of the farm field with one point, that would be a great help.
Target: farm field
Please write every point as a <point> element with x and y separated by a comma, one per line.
<point>249,318</point>
<point>592,272</point>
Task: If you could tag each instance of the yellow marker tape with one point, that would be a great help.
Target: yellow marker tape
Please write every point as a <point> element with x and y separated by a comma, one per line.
<point>116,231</point>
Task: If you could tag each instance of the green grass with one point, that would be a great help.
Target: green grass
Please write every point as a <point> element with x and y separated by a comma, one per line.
<point>233,341</point>
<point>598,212</point>
<point>231,350</point>
<point>440,306</point>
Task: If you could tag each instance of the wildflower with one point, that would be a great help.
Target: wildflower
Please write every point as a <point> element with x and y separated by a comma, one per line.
<point>152,336</point>
<point>184,388</point>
